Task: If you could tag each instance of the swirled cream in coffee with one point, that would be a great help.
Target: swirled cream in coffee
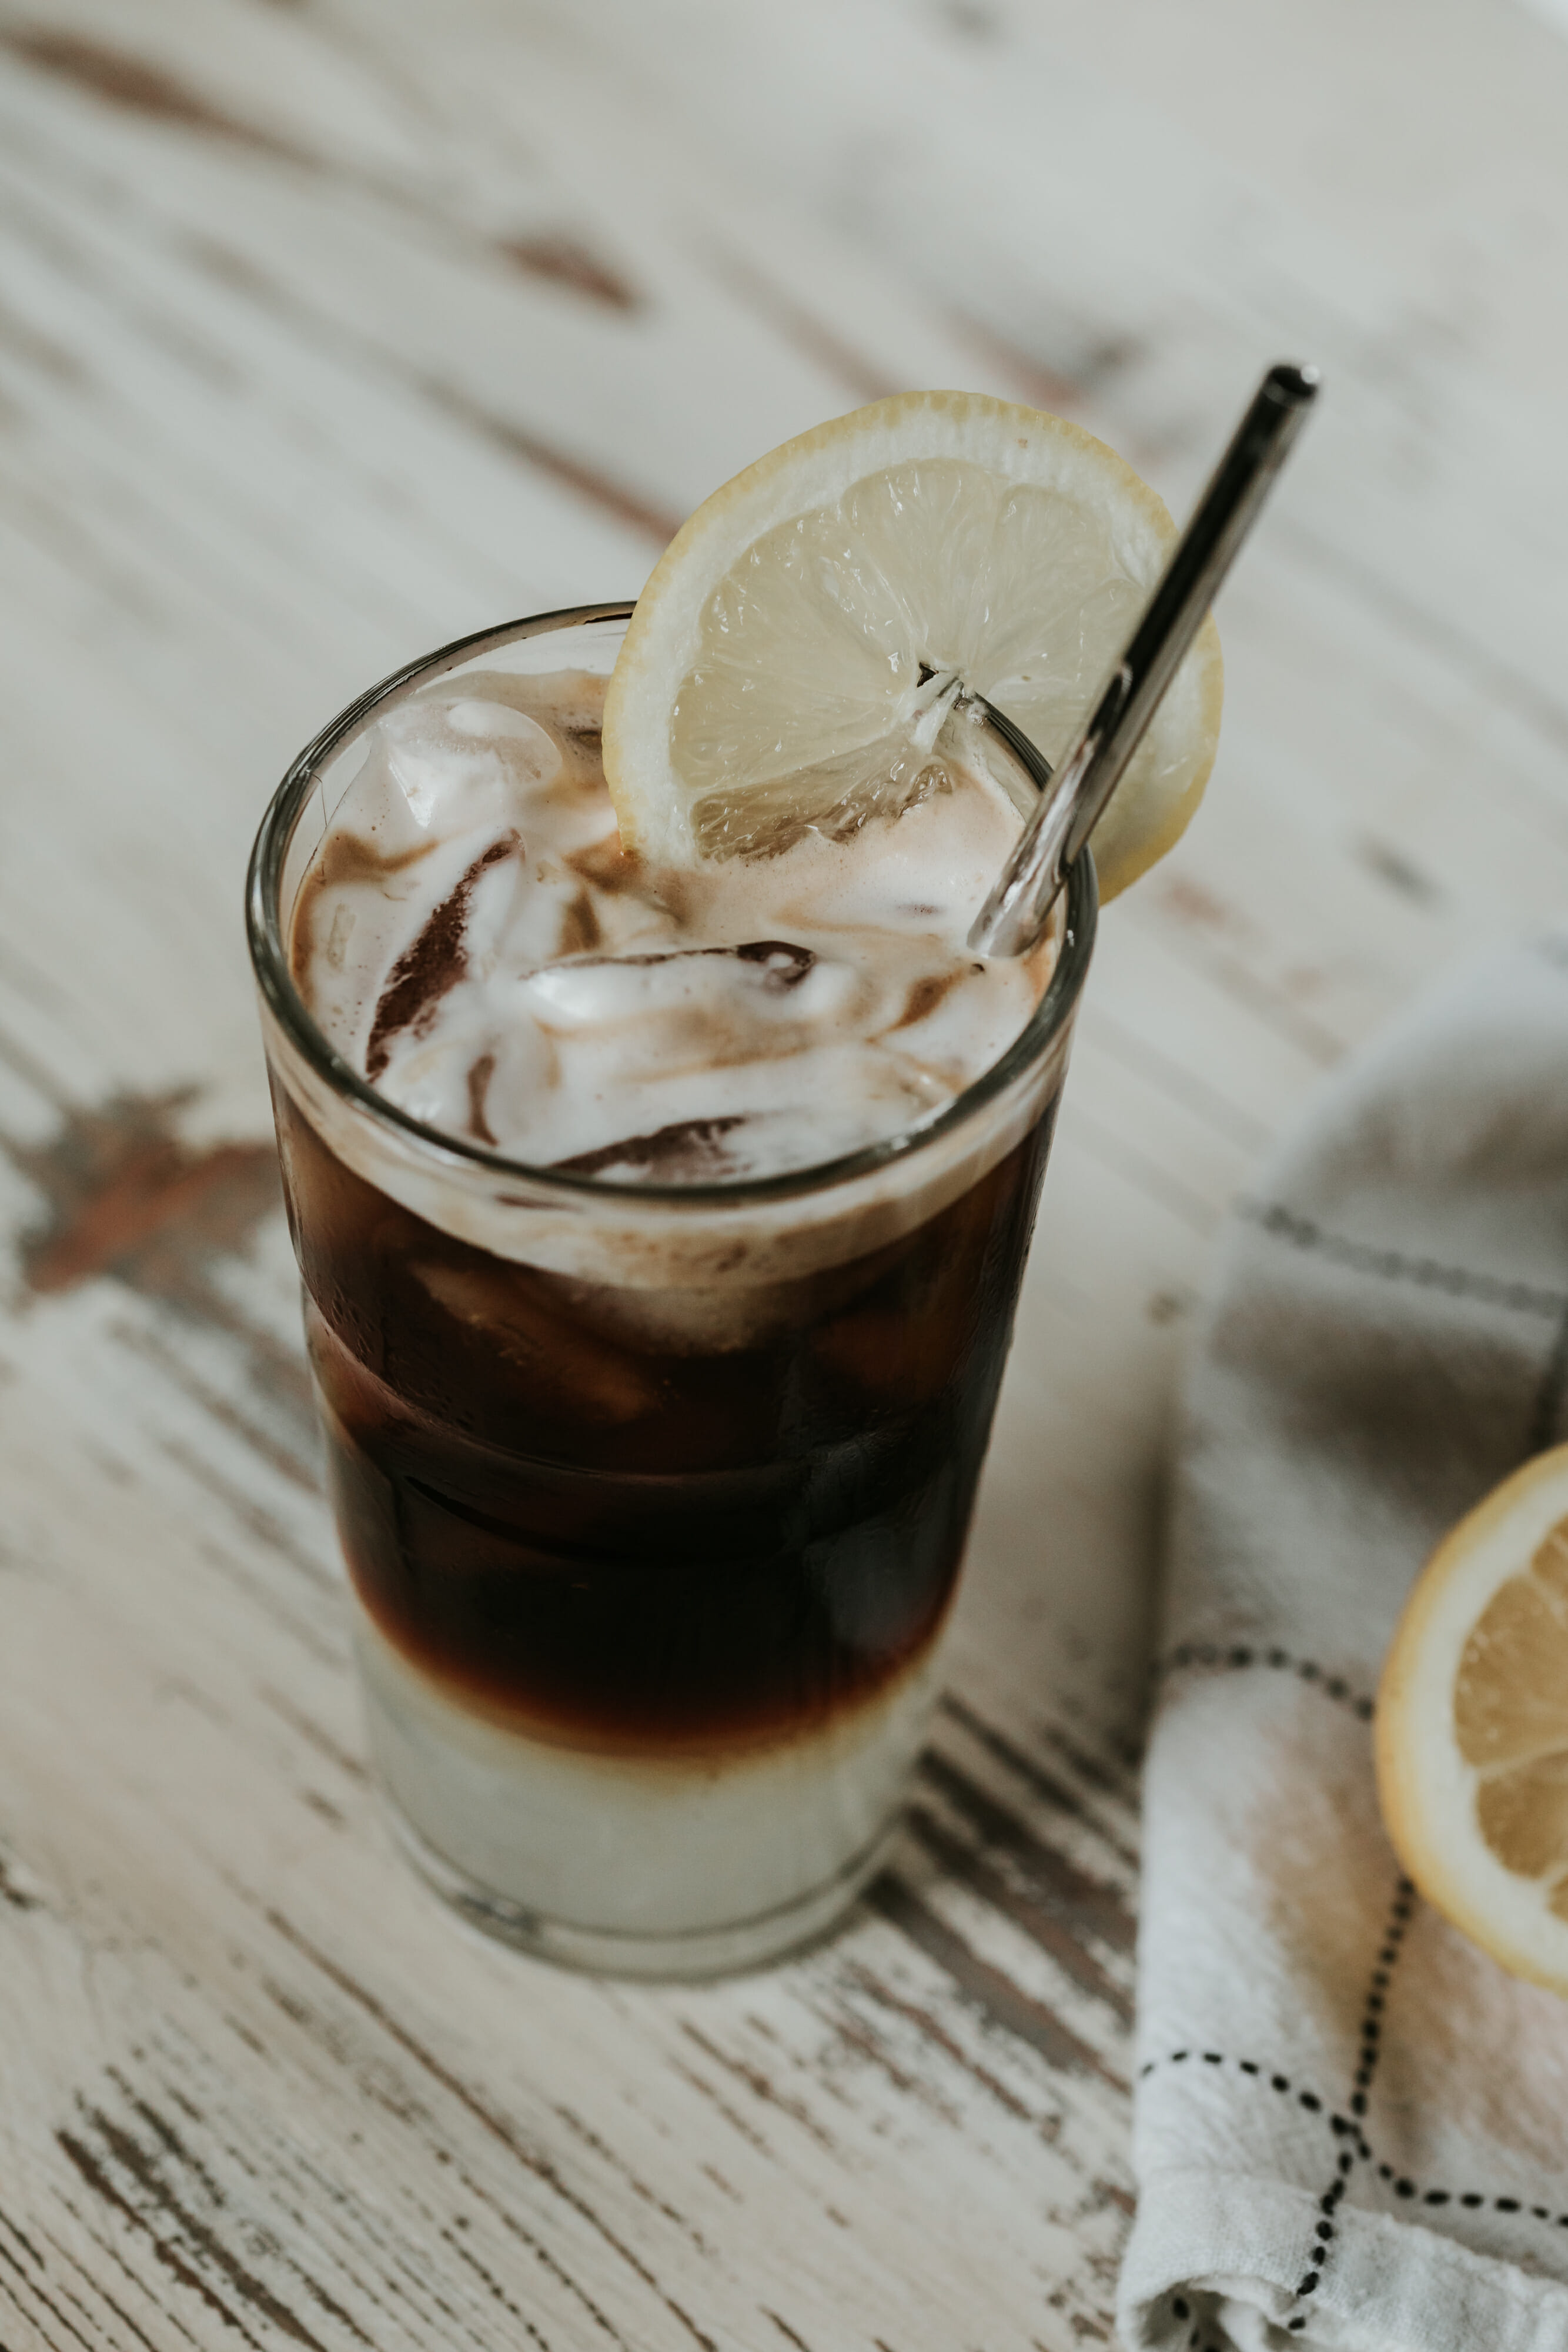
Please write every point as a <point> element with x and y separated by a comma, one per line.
<point>475,942</point>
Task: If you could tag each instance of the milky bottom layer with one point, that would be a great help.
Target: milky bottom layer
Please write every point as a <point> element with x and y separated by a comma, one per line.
<point>757,1848</point>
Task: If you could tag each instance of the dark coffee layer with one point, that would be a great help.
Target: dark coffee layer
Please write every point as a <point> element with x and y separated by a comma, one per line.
<point>625,1547</point>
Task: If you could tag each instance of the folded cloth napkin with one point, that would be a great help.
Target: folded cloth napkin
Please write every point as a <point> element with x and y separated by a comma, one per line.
<point>1352,2127</point>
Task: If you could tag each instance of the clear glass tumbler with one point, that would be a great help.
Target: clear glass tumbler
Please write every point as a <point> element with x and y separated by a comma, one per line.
<point>653,1498</point>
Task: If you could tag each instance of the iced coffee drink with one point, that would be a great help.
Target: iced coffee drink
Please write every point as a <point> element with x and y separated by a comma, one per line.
<point>660,1235</point>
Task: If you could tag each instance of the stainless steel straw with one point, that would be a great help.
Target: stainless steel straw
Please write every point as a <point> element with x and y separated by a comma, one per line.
<point>1014,915</point>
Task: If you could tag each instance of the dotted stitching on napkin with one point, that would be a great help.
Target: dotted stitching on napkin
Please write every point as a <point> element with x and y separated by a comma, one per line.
<point>1237,1658</point>
<point>1280,2082</point>
<point>1370,2050</point>
<point>1272,1217</point>
<point>1347,2127</point>
<point>1301,1233</point>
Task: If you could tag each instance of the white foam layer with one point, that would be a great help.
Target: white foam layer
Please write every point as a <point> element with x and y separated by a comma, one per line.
<point>472,939</point>
<point>638,1846</point>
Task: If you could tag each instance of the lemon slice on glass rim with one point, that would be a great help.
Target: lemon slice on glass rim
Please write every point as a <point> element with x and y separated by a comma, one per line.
<point>786,663</point>
<point>1472,1725</point>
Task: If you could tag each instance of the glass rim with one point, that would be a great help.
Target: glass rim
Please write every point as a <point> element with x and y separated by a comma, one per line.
<point>269,960</point>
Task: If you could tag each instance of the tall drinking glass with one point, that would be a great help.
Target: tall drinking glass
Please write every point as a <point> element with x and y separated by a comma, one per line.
<point>652,1497</point>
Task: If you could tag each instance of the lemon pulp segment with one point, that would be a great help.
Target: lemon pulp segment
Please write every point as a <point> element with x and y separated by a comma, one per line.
<point>1511,1718</point>
<point>1472,1725</point>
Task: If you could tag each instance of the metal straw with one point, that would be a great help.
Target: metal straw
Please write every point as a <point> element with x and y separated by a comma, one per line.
<point>1013,917</point>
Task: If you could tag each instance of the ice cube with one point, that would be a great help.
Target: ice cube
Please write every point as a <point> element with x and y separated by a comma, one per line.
<point>467,762</point>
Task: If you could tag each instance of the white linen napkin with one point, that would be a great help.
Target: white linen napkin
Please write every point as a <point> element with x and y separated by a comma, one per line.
<point>1352,2127</point>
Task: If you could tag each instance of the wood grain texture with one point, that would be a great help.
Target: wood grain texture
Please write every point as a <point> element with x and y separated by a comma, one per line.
<point>329,329</point>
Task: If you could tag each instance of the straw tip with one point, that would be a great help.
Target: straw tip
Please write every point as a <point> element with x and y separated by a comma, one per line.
<point>1293,381</point>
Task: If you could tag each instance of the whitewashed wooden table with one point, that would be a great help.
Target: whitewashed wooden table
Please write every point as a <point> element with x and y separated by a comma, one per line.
<point>329,329</point>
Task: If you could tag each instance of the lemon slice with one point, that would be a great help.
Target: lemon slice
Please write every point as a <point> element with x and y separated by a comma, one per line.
<point>1472,1725</point>
<point>790,660</point>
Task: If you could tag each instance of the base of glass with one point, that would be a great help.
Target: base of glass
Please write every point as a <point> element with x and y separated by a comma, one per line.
<point>725,1950</point>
